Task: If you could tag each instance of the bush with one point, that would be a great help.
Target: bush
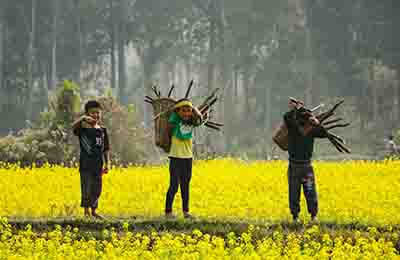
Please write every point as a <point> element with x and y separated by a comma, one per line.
<point>130,142</point>
<point>51,139</point>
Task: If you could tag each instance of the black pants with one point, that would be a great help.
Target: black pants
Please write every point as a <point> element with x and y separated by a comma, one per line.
<point>91,185</point>
<point>302,175</point>
<point>180,171</point>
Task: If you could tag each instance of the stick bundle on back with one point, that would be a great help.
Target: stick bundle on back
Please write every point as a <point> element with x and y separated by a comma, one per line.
<point>164,106</point>
<point>303,116</point>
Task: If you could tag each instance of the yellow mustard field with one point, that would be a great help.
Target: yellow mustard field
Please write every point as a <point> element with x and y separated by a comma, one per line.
<point>362,192</point>
<point>359,213</point>
<point>312,244</point>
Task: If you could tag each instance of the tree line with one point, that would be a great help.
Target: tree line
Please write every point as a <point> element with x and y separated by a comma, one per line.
<point>258,52</point>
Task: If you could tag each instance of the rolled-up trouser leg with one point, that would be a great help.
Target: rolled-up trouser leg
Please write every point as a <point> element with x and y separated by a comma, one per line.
<point>310,190</point>
<point>294,179</point>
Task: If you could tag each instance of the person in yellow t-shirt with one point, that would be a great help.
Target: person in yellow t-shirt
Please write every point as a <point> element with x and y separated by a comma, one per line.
<point>181,123</point>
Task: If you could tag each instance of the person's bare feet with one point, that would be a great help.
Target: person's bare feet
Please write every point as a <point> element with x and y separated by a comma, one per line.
<point>87,213</point>
<point>314,220</point>
<point>187,215</point>
<point>97,216</point>
<point>170,215</point>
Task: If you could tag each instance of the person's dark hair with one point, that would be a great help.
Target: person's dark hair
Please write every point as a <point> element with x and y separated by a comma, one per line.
<point>391,137</point>
<point>92,104</point>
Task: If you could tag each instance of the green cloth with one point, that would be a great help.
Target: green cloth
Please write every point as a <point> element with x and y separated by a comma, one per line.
<point>181,131</point>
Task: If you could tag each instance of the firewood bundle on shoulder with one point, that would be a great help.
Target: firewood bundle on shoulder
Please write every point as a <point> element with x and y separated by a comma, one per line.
<point>163,107</point>
<point>304,118</point>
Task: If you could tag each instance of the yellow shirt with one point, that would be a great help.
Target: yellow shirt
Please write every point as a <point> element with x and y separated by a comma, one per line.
<point>181,148</point>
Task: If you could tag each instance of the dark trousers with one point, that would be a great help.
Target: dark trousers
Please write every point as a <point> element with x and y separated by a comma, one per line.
<point>91,185</point>
<point>302,175</point>
<point>180,172</point>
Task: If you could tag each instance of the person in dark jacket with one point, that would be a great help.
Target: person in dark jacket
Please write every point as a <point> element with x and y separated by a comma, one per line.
<point>300,170</point>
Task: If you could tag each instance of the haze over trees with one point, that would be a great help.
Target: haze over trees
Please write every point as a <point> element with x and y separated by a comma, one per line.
<point>258,52</point>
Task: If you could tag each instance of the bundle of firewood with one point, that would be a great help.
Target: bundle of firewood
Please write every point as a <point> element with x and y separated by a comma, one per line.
<point>304,115</point>
<point>304,119</point>
<point>164,106</point>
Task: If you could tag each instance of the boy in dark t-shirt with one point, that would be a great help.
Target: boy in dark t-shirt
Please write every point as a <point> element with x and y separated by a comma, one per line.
<point>94,156</point>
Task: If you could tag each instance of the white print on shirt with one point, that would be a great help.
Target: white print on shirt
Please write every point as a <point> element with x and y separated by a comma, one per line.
<point>186,129</point>
<point>98,141</point>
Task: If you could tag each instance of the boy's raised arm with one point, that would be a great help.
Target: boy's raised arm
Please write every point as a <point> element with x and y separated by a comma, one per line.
<point>198,116</point>
<point>76,125</point>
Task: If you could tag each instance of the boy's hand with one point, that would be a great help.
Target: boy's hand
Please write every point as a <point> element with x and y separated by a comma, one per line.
<point>295,104</point>
<point>88,119</point>
<point>104,171</point>
<point>314,120</point>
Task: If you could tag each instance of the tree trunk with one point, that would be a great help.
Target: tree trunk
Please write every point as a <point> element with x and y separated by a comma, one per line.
<point>246,90</point>
<point>31,60</point>
<point>121,69</point>
<point>362,102</point>
<point>164,77</point>
<point>121,53</point>
<point>308,98</point>
<point>223,71</point>
<point>235,85</point>
<point>374,92</point>
<point>1,48</point>
<point>188,69</point>
<point>53,80</point>
<point>43,100</point>
<point>79,58</point>
<point>211,65</point>
<point>397,101</point>
<point>147,83</point>
<point>267,108</point>
<point>31,44</point>
<point>211,62</point>
<point>113,30</point>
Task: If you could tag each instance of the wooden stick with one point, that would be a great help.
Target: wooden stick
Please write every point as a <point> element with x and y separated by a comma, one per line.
<point>149,101</point>
<point>213,127</point>
<point>337,125</point>
<point>215,123</point>
<point>162,113</point>
<point>332,121</point>
<point>158,94</point>
<point>150,98</point>
<point>209,98</point>
<point>334,142</point>
<point>170,90</point>
<point>189,88</point>
<point>205,108</point>
<point>323,116</point>
<point>339,145</point>
<point>343,147</point>
<point>338,138</point>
